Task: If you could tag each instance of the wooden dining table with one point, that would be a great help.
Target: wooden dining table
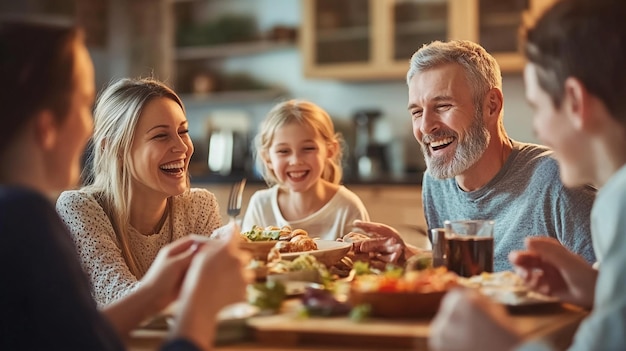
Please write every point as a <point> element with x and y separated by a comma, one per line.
<point>288,330</point>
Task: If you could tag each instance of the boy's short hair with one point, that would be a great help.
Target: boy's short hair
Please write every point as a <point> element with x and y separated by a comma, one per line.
<point>586,40</point>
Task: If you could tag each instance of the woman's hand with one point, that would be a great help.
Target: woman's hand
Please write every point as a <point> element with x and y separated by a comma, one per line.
<point>549,268</point>
<point>469,321</point>
<point>216,277</point>
<point>165,276</point>
<point>158,288</point>
<point>225,232</point>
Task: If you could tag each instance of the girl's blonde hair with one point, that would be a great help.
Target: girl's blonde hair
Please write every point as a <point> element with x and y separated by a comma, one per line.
<point>117,110</point>
<point>307,114</point>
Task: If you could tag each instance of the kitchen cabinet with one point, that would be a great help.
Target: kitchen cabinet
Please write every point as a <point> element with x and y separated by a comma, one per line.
<point>497,27</point>
<point>368,39</point>
<point>374,39</point>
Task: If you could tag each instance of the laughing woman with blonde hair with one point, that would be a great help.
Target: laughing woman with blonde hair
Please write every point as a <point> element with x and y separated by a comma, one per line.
<point>138,197</point>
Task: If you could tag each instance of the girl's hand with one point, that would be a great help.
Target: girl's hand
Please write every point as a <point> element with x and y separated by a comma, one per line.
<point>468,320</point>
<point>549,268</point>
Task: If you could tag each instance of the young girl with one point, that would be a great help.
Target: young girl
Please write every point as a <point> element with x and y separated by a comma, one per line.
<point>138,198</point>
<point>299,155</point>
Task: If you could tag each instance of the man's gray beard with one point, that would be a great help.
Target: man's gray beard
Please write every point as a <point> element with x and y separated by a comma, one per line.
<point>467,153</point>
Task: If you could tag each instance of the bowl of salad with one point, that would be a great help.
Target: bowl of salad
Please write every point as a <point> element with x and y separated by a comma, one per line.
<point>414,294</point>
<point>259,241</point>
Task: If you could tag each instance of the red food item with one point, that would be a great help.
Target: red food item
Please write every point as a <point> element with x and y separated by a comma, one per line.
<point>427,280</point>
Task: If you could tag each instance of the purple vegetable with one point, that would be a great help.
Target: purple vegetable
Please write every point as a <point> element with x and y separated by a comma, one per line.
<point>319,302</point>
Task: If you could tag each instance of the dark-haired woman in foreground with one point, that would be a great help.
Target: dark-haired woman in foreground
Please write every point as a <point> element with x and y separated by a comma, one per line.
<point>47,94</point>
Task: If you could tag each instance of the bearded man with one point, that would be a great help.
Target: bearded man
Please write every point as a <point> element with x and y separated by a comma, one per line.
<point>474,170</point>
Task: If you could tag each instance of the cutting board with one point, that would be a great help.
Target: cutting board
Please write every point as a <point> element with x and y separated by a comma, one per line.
<point>288,329</point>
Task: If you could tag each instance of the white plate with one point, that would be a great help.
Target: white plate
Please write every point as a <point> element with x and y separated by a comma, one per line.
<point>328,252</point>
<point>295,288</point>
<point>517,297</point>
<point>227,315</point>
<point>258,249</point>
<point>509,289</point>
<point>231,324</point>
<point>241,310</point>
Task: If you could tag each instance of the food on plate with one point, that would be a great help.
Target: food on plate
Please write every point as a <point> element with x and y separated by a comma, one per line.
<point>424,281</point>
<point>320,302</point>
<point>300,263</point>
<point>298,243</point>
<point>506,278</point>
<point>304,268</point>
<point>258,268</point>
<point>287,240</point>
<point>257,233</point>
<point>269,233</point>
<point>507,288</point>
<point>267,296</point>
<point>414,294</point>
<point>420,261</point>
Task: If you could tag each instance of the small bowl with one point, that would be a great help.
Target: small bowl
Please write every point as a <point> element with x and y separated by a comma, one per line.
<point>328,252</point>
<point>258,249</point>
<point>398,304</point>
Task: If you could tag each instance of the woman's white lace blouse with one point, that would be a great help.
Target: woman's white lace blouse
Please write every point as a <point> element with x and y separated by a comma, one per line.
<point>194,212</point>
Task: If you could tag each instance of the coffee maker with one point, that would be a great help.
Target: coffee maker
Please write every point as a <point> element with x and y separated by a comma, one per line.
<point>370,157</point>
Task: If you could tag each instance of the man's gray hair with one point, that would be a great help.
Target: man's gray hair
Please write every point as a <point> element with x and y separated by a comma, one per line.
<point>481,69</point>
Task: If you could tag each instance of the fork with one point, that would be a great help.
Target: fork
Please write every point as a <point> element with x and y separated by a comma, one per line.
<point>234,199</point>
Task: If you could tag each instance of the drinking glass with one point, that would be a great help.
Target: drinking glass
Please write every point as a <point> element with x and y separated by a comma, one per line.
<point>440,246</point>
<point>469,246</point>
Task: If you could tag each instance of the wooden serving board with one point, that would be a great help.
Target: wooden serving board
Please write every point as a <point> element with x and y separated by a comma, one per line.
<point>287,329</point>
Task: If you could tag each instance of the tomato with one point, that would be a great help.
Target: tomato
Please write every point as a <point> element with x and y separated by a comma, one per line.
<point>424,281</point>
<point>387,284</point>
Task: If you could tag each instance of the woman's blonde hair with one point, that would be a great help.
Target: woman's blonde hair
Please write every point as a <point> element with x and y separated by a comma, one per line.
<point>117,111</point>
<point>307,114</point>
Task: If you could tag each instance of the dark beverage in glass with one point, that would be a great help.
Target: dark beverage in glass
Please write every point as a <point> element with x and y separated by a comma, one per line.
<point>470,255</point>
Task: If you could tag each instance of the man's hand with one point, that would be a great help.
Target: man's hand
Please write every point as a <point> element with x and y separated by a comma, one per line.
<point>549,268</point>
<point>469,321</point>
<point>380,245</point>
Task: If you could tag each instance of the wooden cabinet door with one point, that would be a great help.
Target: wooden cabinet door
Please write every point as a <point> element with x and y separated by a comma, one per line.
<point>369,39</point>
<point>497,26</point>
<point>374,39</point>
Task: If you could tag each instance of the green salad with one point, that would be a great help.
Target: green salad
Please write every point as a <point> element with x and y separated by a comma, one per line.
<point>258,233</point>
